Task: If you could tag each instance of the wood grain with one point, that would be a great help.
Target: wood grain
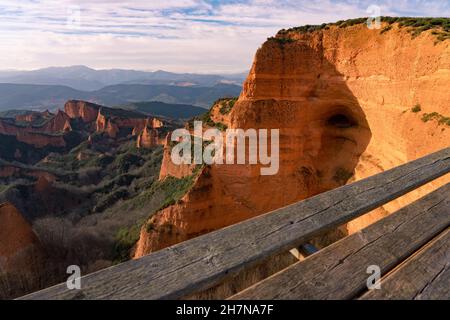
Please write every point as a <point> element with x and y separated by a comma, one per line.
<point>340,270</point>
<point>423,276</point>
<point>205,261</point>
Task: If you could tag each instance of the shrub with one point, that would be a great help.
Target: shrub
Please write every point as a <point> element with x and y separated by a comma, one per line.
<point>416,26</point>
<point>442,120</point>
<point>416,108</point>
<point>227,105</point>
<point>386,29</point>
<point>126,238</point>
<point>342,175</point>
<point>280,40</point>
<point>221,126</point>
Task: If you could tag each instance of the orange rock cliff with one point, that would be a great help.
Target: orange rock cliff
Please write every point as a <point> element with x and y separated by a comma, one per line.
<point>343,100</point>
<point>42,129</point>
<point>17,239</point>
<point>38,135</point>
<point>82,109</point>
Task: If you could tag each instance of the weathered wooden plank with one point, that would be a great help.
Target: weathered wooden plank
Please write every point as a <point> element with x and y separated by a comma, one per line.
<point>340,270</point>
<point>425,275</point>
<point>205,261</point>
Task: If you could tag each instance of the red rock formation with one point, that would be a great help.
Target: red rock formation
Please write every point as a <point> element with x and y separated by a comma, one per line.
<point>111,129</point>
<point>168,168</point>
<point>41,140</point>
<point>8,127</point>
<point>39,136</point>
<point>100,122</point>
<point>82,109</point>
<point>155,123</point>
<point>148,138</point>
<point>28,117</point>
<point>42,184</point>
<point>67,127</point>
<point>59,123</point>
<point>49,177</point>
<point>112,121</point>
<point>16,236</point>
<point>340,97</point>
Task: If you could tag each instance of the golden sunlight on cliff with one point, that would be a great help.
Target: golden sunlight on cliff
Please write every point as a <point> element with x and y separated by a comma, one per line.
<point>343,100</point>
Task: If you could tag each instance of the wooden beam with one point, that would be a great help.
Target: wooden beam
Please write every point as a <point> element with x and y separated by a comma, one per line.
<point>340,270</point>
<point>425,275</point>
<point>205,261</point>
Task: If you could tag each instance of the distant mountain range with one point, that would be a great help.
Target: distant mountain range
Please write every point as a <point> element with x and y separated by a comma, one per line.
<point>87,79</point>
<point>40,97</point>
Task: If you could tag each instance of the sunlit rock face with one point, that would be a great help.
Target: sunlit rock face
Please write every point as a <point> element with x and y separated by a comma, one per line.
<point>81,109</point>
<point>342,100</point>
<point>19,246</point>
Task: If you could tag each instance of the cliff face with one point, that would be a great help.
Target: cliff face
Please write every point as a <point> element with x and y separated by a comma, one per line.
<point>82,109</point>
<point>111,122</point>
<point>148,138</point>
<point>16,237</point>
<point>168,168</point>
<point>26,130</point>
<point>59,123</point>
<point>342,99</point>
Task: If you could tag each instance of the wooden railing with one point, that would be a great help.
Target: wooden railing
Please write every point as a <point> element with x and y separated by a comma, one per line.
<point>338,271</point>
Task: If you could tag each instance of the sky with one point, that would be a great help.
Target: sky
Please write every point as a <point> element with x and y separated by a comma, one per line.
<point>201,36</point>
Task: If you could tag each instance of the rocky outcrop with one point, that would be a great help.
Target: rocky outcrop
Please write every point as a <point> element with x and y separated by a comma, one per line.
<point>16,238</point>
<point>168,168</point>
<point>41,140</point>
<point>48,132</point>
<point>342,99</point>
<point>77,109</point>
<point>81,109</point>
<point>32,116</point>
<point>59,123</point>
<point>148,138</point>
<point>112,121</point>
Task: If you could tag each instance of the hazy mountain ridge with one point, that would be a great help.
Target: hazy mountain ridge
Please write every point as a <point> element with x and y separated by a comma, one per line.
<point>41,97</point>
<point>87,79</point>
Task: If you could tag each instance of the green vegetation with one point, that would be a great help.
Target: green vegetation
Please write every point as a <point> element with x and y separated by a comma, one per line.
<point>342,175</point>
<point>415,25</point>
<point>10,146</point>
<point>121,113</point>
<point>126,238</point>
<point>281,41</point>
<point>3,188</point>
<point>416,108</point>
<point>206,119</point>
<point>171,110</point>
<point>442,120</point>
<point>226,105</point>
<point>175,189</point>
<point>386,29</point>
<point>221,126</point>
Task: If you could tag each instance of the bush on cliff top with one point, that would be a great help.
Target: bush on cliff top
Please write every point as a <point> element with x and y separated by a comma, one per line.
<point>226,105</point>
<point>415,25</point>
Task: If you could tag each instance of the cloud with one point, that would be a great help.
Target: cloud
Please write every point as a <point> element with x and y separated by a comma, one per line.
<point>176,35</point>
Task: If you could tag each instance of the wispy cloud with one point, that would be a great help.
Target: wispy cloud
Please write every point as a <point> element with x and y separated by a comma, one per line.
<point>177,35</point>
